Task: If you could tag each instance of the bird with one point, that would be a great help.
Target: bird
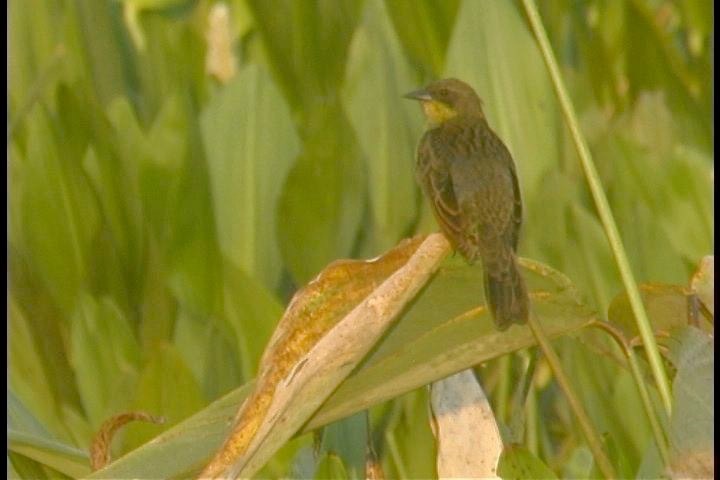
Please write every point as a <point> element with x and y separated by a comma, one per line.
<point>469,176</point>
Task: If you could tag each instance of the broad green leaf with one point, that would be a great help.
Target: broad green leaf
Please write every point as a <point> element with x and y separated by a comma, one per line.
<point>33,446</point>
<point>517,463</point>
<point>170,56</point>
<point>35,57</point>
<point>158,308</point>
<point>492,49</point>
<point>252,311</point>
<point>296,37</point>
<point>161,168</point>
<point>183,450</point>
<point>166,388</point>
<point>347,440</point>
<point>27,372</point>
<point>97,45</point>
<point>611,399</point>
<point>691,426</point>
<point>105,356</point>
<point>194,263</point>
<point>424,28</point>
<point>48,452</point>
<point>21,467</point>
<point>445,330</point>
<point>250,145</point>
<point>410,441</point>
<point>322,201</point>
<point>64,206</point>
<point>207,352</point>
<point>386,125</point>
<point>332,466</point>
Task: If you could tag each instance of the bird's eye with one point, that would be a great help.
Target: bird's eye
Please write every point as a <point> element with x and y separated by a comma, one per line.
<point>443,92</point>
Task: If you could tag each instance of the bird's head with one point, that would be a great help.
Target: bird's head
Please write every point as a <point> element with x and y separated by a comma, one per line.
<point>447,98</point>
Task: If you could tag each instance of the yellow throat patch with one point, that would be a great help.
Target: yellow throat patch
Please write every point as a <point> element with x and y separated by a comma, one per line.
<point>437,112</point>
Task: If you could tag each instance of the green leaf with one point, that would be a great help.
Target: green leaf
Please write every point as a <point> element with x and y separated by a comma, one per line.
<point>691,426</point>
<point>105,356</point>
<point>424,29</point>
<point>95,35</point>
<point>409,438</point>
<point>33,447</point>
<point>387,126</point>
<point>250,144</point>
<point>208,352</point>
<point>63,206</point>
<point>182,450</point>
<point>296,37</point>
<point>166,388</point>
<point>517,463</point>
<point>253,312</point>
<point>331,466</point>
<point>322,202</point>
<point>27,373</point>
<point>60,457</point>
<point>347,440</point>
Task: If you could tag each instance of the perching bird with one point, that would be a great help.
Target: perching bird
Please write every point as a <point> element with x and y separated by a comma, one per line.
<point>469,176</point>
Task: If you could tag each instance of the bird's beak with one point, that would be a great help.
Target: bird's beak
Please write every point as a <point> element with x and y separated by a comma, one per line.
<point>421,95</point>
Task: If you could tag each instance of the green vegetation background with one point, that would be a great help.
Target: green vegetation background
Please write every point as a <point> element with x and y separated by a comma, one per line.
<point>159,219</point>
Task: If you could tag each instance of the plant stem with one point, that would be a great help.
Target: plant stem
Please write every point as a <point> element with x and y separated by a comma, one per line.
<point>603,208</point>
<point>591,436</point>
<point>629,353</point>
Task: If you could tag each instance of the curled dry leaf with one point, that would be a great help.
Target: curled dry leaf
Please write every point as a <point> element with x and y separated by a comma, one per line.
<point>100,446</point>
<point>326,330</point>
<point>469,444</point>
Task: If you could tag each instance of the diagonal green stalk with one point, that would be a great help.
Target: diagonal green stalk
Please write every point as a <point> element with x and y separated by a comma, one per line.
<point>591,435</point>
<point>603,208</point>
<point>629,353</point>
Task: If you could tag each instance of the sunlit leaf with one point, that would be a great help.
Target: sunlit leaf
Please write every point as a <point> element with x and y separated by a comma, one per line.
<point>691,426</point>
<point>27,438</point>
<point>423,28</point>
<point>322,202</point>
<point>468,437</point>
<point>517,463</point>
<point>301,36</point>
<point>386,125</point>
<point>105,356</point>
<point>250,145</point>
<point>166,388</point>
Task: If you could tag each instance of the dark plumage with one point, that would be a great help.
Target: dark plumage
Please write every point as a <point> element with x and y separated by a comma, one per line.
<point>469,176</point>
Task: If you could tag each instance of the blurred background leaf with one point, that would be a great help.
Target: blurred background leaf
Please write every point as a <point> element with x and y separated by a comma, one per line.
<point>159,221</point>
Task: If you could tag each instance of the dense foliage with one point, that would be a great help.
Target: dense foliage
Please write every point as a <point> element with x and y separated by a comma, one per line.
<point>162,212</point>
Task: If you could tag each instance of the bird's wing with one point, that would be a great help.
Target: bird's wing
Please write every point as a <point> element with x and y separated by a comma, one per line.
<point>433,175</point>
<point>513,230</point>
<point>485,188</point>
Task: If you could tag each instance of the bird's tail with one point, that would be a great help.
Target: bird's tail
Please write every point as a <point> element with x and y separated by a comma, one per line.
<point>507,297</point>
